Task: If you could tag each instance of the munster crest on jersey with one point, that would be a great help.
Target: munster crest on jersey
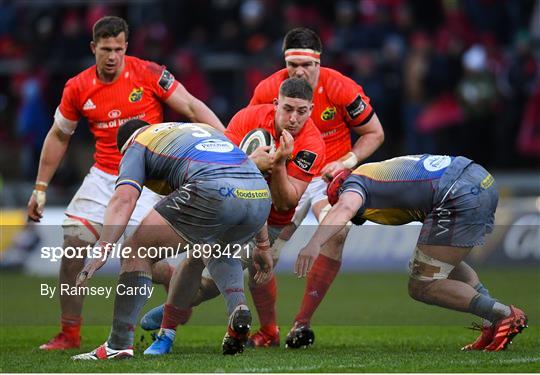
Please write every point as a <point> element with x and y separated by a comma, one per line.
<point>136,94</point>
<point>328,114</point>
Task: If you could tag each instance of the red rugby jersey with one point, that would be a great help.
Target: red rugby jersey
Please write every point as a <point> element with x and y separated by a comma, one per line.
<point>339,103</point>
<point>307,157</point>
<point>136,93</point>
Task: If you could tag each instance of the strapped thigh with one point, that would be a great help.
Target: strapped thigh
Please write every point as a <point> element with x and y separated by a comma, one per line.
<point>422,267</point>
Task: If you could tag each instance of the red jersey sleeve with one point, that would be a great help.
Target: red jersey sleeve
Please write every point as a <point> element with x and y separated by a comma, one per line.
<point>69,107</point>
<point>161,80</point>
<point>238,127</point>
<point>350,99</point>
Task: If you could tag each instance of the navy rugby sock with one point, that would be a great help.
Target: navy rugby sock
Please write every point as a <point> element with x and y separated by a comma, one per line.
<point>480,288</point>
<point>127,308</point>
<point>488,308</point>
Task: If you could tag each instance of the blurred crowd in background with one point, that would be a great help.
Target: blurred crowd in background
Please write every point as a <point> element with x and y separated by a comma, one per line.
<point>444,76</point>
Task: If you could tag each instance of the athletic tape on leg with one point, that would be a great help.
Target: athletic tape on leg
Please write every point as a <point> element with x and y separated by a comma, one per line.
<point>422,267</point>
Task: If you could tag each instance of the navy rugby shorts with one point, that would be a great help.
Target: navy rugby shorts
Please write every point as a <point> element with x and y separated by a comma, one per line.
<point>221,211</point>
<point>463,212</point>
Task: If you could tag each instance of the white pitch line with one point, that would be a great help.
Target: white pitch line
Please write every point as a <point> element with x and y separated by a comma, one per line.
<point>296,368</point>
<point>510,360</point>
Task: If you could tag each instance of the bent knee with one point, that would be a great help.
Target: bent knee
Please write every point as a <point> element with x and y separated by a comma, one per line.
<point>418,289</point>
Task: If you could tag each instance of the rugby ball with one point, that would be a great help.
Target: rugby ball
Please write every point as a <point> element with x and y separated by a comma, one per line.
<point>256,138</point>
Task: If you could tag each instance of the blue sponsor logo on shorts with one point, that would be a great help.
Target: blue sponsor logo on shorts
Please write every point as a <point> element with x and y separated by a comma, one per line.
<point>226,192</point>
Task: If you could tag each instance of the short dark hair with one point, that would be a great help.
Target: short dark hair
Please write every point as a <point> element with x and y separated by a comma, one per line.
<point>302,37</point>
<point>296,88</point>
<point>109,26</point>
<point>125,131</point>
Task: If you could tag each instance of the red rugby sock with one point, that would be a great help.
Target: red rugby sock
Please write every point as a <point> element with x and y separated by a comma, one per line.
<point>319,279</point>
<point>173,316</point>
<point>71,325</point>
<point>264,298</point>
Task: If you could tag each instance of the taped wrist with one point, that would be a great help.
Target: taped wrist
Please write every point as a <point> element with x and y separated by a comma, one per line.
<point>40,186</point>
<point>41,197</point>
<point>350,160</point>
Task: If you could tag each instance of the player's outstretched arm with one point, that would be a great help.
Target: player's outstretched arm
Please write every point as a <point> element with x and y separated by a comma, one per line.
<point>348,205</point>
<point>191,107</point>
<point>371,138</point>
<point>119,212</point>
<point>52,153</point>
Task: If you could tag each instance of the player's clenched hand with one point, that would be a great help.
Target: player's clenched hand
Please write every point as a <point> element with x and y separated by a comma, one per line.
<point>305,260</point>
<point>263,158</point>
<point>89,269</point>
<point>330,169</point>
<point>286,145</point>
<point>36,205</point>
<point>263,263</point>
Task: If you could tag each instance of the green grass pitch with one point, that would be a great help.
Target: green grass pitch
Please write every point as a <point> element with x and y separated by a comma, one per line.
<point>367,323</point>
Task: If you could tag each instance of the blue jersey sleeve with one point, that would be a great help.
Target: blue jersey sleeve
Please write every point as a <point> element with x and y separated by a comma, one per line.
<point>132,168</point>
<point>356,184</point>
